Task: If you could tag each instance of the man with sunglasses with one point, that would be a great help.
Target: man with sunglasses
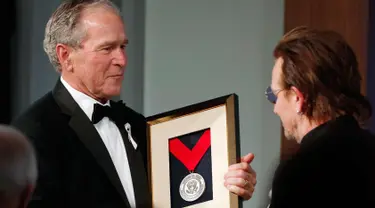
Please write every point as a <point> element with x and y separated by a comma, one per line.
<point>315,90</point>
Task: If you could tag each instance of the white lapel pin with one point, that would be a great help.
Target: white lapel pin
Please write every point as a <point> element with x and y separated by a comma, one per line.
<point>130,137</point>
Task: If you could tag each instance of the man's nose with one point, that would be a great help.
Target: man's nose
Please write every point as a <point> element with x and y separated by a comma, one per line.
<point>121,58</point>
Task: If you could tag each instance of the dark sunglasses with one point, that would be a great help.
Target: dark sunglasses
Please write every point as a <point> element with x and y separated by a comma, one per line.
<point>270,95</point>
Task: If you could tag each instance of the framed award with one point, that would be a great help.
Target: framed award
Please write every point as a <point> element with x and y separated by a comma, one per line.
<point>189,151</point>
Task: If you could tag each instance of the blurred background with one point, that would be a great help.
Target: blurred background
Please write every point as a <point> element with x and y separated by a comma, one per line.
<point>184,52</point>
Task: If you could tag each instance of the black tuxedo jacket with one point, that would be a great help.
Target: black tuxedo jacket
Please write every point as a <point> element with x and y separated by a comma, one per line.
<point>334,167</point>
<point>75,169</point>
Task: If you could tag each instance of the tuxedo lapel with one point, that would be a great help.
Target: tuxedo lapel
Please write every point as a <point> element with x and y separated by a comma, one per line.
<point>138,171</point>
<point>88,135</point>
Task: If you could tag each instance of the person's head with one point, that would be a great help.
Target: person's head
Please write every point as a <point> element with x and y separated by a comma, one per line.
<point>85,40</point>
<point>18,168</point>
<point>315,79</point>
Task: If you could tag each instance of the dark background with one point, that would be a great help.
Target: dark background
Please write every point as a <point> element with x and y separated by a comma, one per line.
<point>8,17</point>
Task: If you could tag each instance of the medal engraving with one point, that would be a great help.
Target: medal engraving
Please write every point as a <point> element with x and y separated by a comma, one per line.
<point>192,187</point>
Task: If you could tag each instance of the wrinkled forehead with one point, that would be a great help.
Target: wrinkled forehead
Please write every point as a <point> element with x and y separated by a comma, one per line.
<point>277,74</point>
<point>99,13</point>
<point>103,25</point>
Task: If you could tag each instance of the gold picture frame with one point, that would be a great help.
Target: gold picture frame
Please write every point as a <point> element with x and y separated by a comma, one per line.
<point>172,183</point>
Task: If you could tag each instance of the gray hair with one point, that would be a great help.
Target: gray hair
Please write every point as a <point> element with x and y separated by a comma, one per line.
<point>63,27</point>
<point>18,164</point>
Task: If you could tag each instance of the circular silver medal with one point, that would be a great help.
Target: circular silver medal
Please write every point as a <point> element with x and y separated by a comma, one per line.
<point>192,187</point>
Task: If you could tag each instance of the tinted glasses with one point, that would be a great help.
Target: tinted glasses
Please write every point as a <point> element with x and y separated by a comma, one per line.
<point>270,95</point>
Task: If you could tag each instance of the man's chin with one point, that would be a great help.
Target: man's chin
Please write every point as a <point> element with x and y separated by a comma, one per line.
<point>112,93</point>
<point>288,135</point>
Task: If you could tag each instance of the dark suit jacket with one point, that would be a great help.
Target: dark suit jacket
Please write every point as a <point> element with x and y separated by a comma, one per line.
<point>334,167</point>
<point>75,169</point>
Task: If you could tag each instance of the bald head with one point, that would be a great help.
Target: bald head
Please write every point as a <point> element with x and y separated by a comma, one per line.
<point>18,167</point>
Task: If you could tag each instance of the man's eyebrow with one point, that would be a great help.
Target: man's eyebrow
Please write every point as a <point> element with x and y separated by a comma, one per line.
<point>106,43</point>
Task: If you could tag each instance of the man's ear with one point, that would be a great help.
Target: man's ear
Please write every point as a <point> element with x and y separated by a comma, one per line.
<point>299,99</point>
<point>64,55</point>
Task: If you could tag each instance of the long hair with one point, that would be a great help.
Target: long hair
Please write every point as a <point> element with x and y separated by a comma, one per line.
<point>323,66</point>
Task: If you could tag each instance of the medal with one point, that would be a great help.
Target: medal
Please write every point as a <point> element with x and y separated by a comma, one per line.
<point>193,185</point>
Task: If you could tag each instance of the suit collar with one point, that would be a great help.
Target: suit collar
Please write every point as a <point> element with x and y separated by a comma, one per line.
<point>138,171</point>
<point>329,130</point>
<point>88,135</point>
<point>85,102</point>
<point>63,99</point>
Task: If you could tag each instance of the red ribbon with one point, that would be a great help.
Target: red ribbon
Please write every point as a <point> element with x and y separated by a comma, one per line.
<point>190,158</point>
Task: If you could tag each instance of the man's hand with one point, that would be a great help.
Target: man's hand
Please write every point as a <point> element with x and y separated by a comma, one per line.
<point>241,178</point>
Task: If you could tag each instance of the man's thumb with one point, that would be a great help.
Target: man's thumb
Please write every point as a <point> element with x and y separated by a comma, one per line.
<point>248,158</point>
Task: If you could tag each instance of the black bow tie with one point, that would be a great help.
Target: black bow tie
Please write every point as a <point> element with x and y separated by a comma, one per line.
<point>101,111</point>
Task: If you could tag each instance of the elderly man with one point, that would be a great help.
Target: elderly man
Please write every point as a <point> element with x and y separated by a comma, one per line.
<point>18,168</point>
<point>86,158</point>
<point>316,93</point>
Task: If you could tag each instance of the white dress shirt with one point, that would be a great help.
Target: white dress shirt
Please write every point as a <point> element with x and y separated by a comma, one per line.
<point>111,137</point>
